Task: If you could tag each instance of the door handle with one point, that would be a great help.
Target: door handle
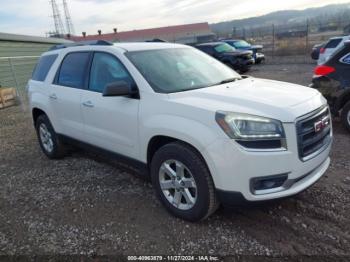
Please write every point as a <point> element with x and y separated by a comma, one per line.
<point>53,96</point>
<point>88,104</point>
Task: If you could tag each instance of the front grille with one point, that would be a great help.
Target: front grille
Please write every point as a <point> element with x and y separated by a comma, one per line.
<point>314,133</point>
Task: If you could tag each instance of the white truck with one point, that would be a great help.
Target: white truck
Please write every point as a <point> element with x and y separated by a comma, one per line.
<point>205,134</point>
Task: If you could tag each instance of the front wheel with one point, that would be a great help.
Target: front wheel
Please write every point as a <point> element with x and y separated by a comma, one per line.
<point>182,182</point>
<point>345,116</point>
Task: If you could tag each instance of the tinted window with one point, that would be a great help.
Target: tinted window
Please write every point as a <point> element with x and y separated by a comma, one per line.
<point>206,49</point>
<point>73,70</point>
<point>241,44</point>
<point>43,67</point>
<point>107,69</point>
<point>224,48</point>
<point>333,43</point>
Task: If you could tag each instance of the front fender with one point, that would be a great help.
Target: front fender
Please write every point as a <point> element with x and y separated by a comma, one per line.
<point>190,131</point>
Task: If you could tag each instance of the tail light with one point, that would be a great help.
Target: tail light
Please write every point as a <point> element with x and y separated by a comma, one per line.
<point>323,70</point>
<point>322,50</point>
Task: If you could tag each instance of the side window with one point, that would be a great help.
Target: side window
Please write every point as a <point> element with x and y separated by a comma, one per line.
<point>73,70</point>
<point>333,43</point>
<point>211,50</point>
<point>43,67</point>
<point>106,69</point>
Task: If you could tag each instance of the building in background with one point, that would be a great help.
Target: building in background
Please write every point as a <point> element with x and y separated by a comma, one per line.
<point>185,34</point>
<point>18,56</point>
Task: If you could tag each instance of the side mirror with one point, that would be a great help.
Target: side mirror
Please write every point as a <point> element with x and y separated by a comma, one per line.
<point>119,88</point>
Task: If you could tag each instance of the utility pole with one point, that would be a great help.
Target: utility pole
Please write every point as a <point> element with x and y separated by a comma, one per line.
<point>69,23</point>
<point>59,29</point>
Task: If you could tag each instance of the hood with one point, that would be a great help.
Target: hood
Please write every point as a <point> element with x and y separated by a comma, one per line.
<point>253,48</point>
<point>256,47</point>
<point>274,99</point>
<point>238,53</point>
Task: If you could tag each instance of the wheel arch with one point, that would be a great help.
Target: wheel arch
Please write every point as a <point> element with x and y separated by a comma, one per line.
<point>157,141</point>
<point>36,112</point>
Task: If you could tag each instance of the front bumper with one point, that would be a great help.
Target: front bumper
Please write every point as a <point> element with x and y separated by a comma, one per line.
<point>233,167</point>
<point>259,57</point>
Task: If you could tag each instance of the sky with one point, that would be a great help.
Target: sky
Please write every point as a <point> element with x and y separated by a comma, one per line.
<point>34,17</point>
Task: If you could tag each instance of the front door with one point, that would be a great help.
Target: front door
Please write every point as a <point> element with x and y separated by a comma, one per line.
<point>110,122</point>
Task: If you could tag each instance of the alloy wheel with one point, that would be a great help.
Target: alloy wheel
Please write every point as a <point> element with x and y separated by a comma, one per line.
<point>178,184</point>
<point>46,138</point>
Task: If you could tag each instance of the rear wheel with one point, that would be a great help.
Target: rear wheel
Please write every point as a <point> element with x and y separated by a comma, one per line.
<point>48,139</point>
<point>345,115</point>
<point>182,182</point>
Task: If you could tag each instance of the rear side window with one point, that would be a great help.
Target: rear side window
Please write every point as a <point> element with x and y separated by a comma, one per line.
<point>43,67</point>
<point>73,70</point>
<point>333,43</point>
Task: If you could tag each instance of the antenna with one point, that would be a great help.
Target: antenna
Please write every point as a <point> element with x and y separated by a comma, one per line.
<point>69,23</point>
<point>59,29</point>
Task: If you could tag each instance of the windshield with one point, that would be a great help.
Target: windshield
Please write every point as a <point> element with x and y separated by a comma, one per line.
<point>224,48</point>
<point>241,44</point>
<point>180,69</point>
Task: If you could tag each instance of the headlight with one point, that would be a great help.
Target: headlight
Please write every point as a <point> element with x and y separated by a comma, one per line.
<point>252,131</point>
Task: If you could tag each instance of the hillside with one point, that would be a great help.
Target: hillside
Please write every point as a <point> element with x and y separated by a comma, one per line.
<point>320,15</point>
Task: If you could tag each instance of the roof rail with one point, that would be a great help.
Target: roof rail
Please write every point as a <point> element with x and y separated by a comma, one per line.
<point>82,43</point>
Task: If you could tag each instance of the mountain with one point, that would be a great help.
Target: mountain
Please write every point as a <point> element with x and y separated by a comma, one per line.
<point>319,15</point>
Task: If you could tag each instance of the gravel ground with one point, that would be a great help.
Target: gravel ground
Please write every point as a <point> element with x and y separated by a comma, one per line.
<point>85,204</point>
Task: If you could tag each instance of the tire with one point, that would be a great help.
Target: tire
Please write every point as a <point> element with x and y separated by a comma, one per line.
<point>196,180</point>
<point>345,116</point>
<point>49,142</point>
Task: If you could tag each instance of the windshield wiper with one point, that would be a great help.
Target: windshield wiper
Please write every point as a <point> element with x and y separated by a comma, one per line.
<point>228,80</point>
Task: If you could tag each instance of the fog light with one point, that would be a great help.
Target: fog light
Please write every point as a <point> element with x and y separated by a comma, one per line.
<point>264,185</point>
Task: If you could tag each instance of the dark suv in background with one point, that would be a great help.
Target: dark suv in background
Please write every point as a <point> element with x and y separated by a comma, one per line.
<point>242,45</point>
<point>237,59</point>
<point>332,79</point>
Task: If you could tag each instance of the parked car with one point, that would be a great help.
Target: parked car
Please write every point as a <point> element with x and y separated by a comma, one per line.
<point>332,79</point>
<point>204,134</point>
<point>330,47</point>
<point>316,49</point>
<point>238,60</point>
<point>258,56</point>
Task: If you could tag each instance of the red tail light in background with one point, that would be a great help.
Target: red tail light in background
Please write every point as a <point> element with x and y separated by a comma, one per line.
<point>323,70</point>
<point>322,50</point>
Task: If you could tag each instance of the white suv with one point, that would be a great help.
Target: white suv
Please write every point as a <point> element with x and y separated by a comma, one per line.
<point>205,134</point>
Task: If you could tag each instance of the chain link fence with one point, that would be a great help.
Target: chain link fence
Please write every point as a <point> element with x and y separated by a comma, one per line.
<point>290,43</point>
<point>15,72</point>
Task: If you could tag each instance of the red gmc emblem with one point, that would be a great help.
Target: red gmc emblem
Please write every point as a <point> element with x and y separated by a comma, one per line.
<point>322,124</point>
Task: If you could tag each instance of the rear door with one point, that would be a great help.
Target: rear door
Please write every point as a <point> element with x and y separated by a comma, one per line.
<point>65,94</point>
<point>110,122</point>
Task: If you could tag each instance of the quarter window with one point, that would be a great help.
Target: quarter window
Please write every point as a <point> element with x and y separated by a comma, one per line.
<point>43,67</point>
<point>107,69</point>
<point>73,70</point>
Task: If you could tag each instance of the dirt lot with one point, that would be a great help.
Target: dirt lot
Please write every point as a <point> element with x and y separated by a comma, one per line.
<point>84,204</point>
